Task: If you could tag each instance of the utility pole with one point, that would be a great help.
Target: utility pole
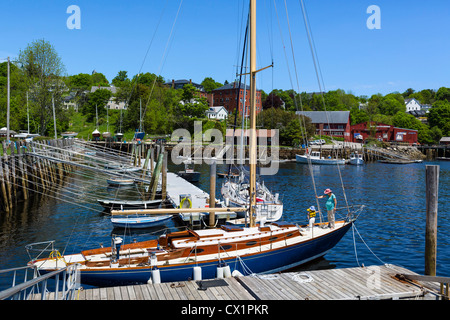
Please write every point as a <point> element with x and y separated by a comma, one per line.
<point>8,106</point>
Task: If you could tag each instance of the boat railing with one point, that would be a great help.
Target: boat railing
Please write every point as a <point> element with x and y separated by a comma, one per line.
<point>41,248</point>
<point>64,284</point>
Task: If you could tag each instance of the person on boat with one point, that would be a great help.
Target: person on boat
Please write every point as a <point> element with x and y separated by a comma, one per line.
<point>331,205</point>
<point>311,216</point>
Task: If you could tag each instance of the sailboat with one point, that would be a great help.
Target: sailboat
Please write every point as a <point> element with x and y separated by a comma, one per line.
<point>139,135</point>
<point>268,205</point>
<point>96,133</point>
<point>235,187</point>
<point>119,135</point>
<point>107,134</point>
<point>206,253</point>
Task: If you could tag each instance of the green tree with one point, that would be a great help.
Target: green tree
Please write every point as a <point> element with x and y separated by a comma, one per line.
<point>391,104</point>
<point>210,84</point>
<point>439,116</point>
<point>99,79</point>
<point>358,116</point>
<point>43,70</point>
<point>81,81</point>
<point>96,104</point>
<point>121,79</point>
<point>443,94</point>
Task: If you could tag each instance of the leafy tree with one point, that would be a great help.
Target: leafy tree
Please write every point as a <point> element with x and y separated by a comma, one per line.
<point>439,116</point>
<point>82,81</point>
<point>120,79</point>
<point>405,120</point>
<point>358,116</point>
<point>391,104</point>
<point>209,84</point>
<point>443,94</point>
<point>272,101</point>
<point>99,79</point>
<point>43,69</point>
<point>97,100</point>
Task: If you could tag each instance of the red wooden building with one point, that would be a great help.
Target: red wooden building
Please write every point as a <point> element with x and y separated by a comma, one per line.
<point>383,132</point>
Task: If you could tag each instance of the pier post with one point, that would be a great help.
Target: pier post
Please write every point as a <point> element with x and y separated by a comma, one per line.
<point>164,177</point>
<point>432,184</point>
<point>212,193</point>
<point>155,177</point>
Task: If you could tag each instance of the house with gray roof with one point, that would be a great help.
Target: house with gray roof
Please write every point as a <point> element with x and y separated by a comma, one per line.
<point>330,123</point>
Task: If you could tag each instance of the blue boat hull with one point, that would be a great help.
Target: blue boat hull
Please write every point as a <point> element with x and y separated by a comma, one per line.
<point>139,135</point>
<point>266,262</point>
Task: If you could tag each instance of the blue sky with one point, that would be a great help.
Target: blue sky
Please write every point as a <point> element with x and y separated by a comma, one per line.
<point>410,50</point>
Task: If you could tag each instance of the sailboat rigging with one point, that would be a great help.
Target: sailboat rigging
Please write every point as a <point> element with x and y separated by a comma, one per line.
<point>207,253</point>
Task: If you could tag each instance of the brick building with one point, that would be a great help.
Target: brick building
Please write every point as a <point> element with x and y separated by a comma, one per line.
<point>383,132</point>
<point>227,94</point>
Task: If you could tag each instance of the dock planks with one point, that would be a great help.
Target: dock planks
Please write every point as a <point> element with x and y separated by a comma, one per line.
<point>368,283</point>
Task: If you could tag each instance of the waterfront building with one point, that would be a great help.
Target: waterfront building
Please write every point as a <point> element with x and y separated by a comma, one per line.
<point>383,132</point>
<point>330,123</point>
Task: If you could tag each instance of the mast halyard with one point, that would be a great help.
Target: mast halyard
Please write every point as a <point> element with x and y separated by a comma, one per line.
<point>252,146</point>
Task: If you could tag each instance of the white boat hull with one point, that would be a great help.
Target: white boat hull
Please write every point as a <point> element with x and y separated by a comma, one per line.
<point>314,160</point>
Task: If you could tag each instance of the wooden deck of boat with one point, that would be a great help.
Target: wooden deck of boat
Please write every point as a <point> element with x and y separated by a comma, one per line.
<point>375,282</point>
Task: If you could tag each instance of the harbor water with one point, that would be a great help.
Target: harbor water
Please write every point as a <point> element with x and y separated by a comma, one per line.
<point>389,230</point>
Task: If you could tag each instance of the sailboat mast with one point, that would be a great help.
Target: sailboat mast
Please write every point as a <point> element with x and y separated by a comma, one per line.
<point>252,146</point>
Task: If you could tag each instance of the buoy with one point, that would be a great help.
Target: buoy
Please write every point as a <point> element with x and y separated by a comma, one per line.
<point>156,277</point>
<point>197,273</point>
<point>149,281</point>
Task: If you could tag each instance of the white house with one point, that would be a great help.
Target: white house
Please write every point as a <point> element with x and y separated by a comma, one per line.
<point>218,113</point>
<point>412,105</point>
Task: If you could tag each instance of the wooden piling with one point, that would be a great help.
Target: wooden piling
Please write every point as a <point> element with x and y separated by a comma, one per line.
<point>212,193</point>
<point>3,186</point>
<point>164,177</point>
<point>155,177</point>
<point>432,188</point>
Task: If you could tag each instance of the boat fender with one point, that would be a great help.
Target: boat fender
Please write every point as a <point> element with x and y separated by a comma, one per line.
<point>156,277</point>
<point>153,260</point>
<point>226,271</point>
<point>197,273</point>
<point>236,273</point>
<point>219,272</point>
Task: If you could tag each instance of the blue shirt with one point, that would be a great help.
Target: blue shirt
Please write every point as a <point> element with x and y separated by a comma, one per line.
<point>330,202</point>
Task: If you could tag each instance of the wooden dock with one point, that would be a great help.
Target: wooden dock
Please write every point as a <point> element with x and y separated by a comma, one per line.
<point>361,283</point>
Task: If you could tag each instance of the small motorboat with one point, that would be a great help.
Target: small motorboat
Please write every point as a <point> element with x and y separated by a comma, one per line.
<point>140,222</point>
<point>120,181</point>
<point>314,157</point>
<point>356,158</point>
<point>129,204</point>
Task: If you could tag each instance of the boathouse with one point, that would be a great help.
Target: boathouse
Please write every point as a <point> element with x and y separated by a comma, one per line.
<point>383,132</point>
<point>330,123</point>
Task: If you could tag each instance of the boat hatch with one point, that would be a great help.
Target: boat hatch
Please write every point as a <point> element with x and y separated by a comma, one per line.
<point>74,258</point>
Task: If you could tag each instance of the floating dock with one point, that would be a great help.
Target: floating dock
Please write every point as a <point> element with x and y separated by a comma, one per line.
<point>179,190</point>
<point>360,283</point>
